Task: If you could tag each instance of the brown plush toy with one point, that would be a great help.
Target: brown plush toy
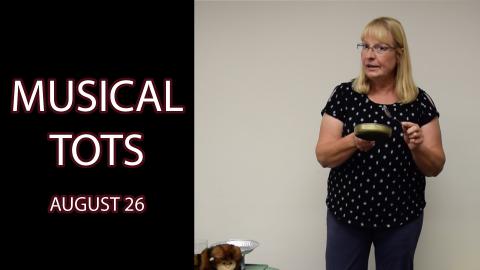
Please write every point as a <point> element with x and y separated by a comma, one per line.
<point>221,257</point>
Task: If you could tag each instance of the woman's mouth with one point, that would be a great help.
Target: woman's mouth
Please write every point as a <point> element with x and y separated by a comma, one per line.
<point>372,67</point>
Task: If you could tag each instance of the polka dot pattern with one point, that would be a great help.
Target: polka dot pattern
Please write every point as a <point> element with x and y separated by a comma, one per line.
<point>381,188</point>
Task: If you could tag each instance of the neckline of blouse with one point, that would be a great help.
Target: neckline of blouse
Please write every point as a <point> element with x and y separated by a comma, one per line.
<point>381,104</point>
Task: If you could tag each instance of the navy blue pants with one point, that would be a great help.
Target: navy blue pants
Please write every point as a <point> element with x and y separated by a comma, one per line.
<point>348,247</point>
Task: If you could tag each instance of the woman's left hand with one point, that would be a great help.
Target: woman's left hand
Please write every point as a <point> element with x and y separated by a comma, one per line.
<point>412,134</point>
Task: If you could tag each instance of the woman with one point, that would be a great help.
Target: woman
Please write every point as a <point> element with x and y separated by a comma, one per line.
<point>376,191</point>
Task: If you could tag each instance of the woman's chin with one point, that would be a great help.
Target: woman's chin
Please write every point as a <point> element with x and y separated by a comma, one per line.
<point>374,75</point>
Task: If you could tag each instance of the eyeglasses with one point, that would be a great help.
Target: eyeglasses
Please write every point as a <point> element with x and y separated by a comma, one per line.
<point>377,48</point>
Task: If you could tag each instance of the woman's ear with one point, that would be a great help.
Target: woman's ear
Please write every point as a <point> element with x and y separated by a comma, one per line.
<point>400,51</point>
<point>399,54</point>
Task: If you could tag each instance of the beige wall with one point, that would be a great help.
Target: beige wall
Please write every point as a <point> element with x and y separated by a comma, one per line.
<point>263,72</point>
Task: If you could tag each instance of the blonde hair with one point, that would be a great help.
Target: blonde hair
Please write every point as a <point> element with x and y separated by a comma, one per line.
<point>381,28</point>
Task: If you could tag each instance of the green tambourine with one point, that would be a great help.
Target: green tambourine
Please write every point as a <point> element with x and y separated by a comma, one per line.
<point>373,131</point>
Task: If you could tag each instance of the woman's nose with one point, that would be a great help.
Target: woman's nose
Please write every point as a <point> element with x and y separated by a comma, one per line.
<point>370,53</point>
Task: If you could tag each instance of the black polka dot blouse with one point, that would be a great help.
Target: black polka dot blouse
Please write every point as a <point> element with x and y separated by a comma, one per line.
<point>380,188</point>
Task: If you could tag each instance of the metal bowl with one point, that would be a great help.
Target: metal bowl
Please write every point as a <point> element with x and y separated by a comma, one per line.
<point>246,246</point>
<point>373,131</point>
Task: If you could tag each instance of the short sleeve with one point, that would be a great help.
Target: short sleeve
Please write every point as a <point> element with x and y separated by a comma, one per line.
<point>428,110</point>
<point>335,103</point>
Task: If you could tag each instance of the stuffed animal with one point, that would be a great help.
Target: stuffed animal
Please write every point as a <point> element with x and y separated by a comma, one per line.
<point>221,257</point>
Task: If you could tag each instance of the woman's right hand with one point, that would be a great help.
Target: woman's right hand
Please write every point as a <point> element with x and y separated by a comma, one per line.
<point>332,148</point>
<point>363,145</point>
